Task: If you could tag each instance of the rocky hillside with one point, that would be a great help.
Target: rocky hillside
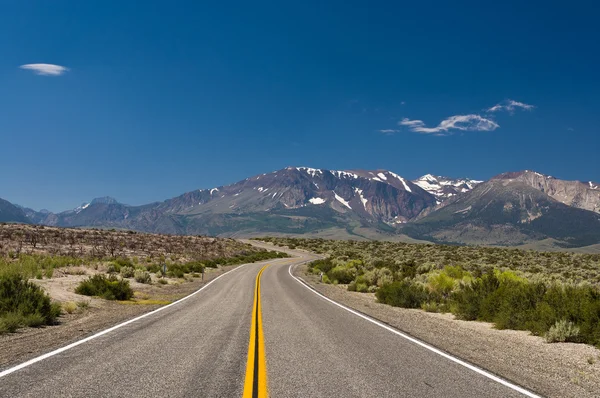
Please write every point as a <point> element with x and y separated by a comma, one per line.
<point>583,195</point>
<point>507,211</point>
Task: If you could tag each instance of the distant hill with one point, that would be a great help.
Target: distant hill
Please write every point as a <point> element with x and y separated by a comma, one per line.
<point>12,213</point>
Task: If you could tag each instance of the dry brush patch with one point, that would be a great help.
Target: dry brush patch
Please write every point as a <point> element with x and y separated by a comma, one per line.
<point>555,295</point>
<point>108,264</point>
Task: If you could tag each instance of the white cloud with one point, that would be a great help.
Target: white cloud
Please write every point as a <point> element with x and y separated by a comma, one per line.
<point>45,69</point>
<point>458,122</point>
<point>471,122</point>
<point>411,123</point>
<point>510,106</point>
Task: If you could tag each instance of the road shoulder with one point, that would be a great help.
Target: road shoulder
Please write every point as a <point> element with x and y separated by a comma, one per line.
<point>554,370</point>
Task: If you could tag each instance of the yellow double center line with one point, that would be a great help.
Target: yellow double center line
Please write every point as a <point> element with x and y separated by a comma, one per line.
<point>255,384</point>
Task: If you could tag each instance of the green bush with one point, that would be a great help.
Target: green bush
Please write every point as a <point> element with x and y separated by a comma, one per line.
<point>123,262</point>
<point>110,288</point>
<point>563,331</point>
<point>176,271</point>
<point>155,268</point>
<point>23,303</point>
<point>324,265</point>
<point>142,276</point>
<point>404,294</point>
<point>127,272</point>
<point>342,274</point>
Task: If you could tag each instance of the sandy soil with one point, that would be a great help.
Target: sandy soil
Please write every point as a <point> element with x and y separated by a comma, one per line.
<point>552,370</point>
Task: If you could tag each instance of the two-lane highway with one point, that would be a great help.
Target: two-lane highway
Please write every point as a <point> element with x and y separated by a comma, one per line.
<point>252,331</point>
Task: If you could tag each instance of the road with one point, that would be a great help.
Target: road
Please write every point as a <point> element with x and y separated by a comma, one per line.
<point>301,346</point>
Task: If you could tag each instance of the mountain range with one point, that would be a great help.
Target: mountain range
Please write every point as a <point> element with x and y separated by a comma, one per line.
<point>513,208</point>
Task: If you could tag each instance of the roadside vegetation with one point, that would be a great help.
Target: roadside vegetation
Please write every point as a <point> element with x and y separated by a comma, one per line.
<point>23,303</point>
<point>554,295</point>
<point>106,263</point>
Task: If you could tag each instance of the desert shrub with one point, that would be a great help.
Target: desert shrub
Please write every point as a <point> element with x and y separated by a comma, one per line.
<point>23,303</point>
<point>109,288</point>
<point>113,268</point>
<point>123,262</point>
<point>513,305</point>
<point>175,271</point>
<point>163,281</point>
<point>468,302</point>
<point>127,272</point>
<point>324,265</point>
<point>194,266</point>
<point>342,274</point>
<point>404,294</point>
<point>142,276</point>
<point>154,268</point>
<point>10,322</point>
<point>563,331</point>
<point>69,307</point>
<point>362,287</point>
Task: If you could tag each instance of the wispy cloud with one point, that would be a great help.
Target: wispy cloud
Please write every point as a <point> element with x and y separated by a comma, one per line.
<point>510,106</point>
<point>446,126</point>
<point>45,69</point>
<point>470,122</point>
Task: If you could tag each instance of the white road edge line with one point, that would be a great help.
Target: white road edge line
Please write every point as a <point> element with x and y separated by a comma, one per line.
<point>418,342</point>
<point>94,336</point>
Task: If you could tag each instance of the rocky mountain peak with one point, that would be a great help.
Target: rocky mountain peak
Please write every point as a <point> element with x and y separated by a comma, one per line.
<point>444,187</point>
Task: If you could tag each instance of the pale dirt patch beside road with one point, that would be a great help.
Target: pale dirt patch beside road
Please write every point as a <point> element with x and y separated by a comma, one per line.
<point>553,370</point>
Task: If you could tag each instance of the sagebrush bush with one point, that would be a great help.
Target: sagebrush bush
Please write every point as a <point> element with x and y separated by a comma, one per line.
<point>127,272</point>
<point>563,331</point>
<point>23,303</point>
<point>142,276</point>
<point>342,274</point>
<point>109,288</point>
<point>123,262</point>
<point>69,307</point>
<point>402,294</point>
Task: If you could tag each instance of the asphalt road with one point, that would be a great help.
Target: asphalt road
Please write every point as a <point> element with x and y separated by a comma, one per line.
<point>199,348</point>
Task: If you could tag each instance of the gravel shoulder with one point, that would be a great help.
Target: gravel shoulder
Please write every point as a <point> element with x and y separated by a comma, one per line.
<point>552,370</point>
<point>28,343</point>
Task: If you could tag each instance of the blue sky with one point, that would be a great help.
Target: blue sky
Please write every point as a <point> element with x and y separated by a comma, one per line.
<point>160,98</point>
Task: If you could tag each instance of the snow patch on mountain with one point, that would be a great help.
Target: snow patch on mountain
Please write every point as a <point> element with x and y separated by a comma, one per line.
<point>444,187</point>
<point>310,171</point>
<point>341,200</point>
<point>317,201</point>
<point>340,174</point>
<point>362,198</point>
